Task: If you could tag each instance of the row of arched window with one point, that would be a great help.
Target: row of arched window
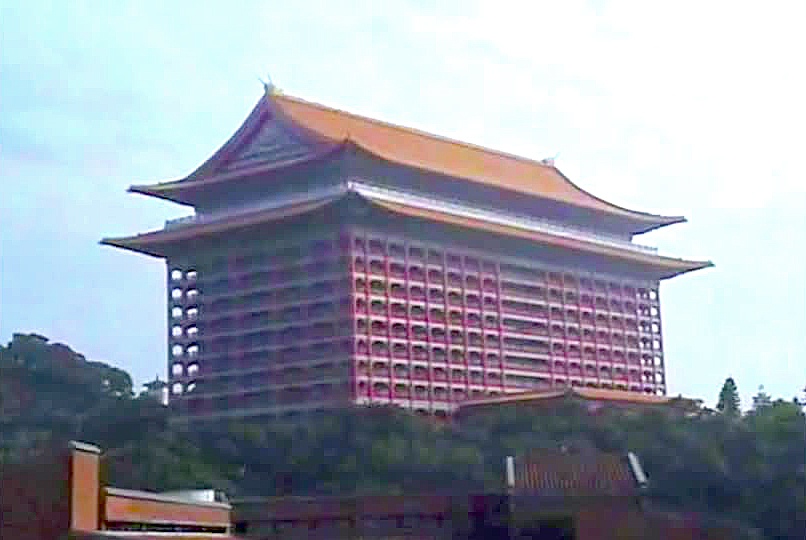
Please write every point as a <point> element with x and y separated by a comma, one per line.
<point>364,247</point>
<point>513,308</point>
<point>260,258</point>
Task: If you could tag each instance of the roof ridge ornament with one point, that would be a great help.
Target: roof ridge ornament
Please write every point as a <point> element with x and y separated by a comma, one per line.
<point>269,88</point>
<point>549,161</point>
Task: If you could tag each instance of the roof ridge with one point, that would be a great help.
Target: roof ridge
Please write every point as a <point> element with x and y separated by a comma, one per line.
<point>532,170</point>
<point>416,131</point>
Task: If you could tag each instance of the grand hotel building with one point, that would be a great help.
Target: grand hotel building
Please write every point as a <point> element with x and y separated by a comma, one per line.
<point>334,259</point>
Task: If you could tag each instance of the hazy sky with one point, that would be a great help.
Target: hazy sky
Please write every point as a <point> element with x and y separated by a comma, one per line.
<point>689,107</point>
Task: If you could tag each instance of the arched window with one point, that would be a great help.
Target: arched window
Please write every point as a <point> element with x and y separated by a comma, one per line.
<point>378,327</point>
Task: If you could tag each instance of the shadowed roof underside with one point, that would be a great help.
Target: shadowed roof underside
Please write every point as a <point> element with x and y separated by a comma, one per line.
<point>299,129</point>
<point>155,243</point>
<point>667,266</point>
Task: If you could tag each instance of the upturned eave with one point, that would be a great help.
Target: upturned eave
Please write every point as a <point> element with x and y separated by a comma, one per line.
<point>324,128</point>
<point>154,243</point>
<point>662,266</point>
<point>425,151</point>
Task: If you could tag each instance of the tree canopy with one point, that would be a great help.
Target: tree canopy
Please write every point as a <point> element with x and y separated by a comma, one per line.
<point>747,467</point>
<point>728,403</point>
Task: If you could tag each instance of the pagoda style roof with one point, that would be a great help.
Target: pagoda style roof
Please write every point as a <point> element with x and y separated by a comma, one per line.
<point>666,266</point>
<point>587,394</point>
<point>156,243</point>
<point>282,131</point>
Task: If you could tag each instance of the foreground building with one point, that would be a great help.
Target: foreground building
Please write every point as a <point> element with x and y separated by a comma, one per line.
<point>334,259</point>
<point>64,495</point>
<point>552,496</point>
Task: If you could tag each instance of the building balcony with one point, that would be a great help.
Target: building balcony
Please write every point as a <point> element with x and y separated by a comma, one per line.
<point>235,330</point>
<point>336,286</point>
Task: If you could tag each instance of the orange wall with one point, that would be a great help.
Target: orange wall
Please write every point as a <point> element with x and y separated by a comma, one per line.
<point>84,490</point>
<point>124,509</point>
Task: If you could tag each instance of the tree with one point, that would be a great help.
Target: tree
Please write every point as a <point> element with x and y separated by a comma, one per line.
<point>746,468</point>
<point>728,403</point>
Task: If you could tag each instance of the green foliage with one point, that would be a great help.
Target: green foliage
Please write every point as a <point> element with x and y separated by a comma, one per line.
<point>746,467</point>
<point>163,461</point>
<point>38,377</point>
<point>728,403</point>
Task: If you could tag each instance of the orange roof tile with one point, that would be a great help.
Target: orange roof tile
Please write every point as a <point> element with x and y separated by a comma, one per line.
<point>415,148</point>
<point>604,394</point>
<point>325,128</point>
<point>574,475</point>
<point>592,394</point>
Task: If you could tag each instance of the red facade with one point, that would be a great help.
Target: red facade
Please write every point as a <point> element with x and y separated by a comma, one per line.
<point>395,267</point>
<point>436,325</point>
<point>369,318</point>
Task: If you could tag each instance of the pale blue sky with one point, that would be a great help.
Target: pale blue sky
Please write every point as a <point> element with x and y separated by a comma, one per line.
<point>693,108</point>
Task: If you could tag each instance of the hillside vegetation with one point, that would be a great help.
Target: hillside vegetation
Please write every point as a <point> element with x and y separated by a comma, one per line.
<point>748,467</point>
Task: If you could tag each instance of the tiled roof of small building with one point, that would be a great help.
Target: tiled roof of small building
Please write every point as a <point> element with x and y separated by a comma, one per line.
<point>575,475</point>
<point>589,394</point>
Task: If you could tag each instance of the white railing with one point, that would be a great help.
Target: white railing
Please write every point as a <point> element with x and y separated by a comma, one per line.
<point>259,206</point>
<point>386,194</point>
<point>494,216</point>
<point>178,222</point>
